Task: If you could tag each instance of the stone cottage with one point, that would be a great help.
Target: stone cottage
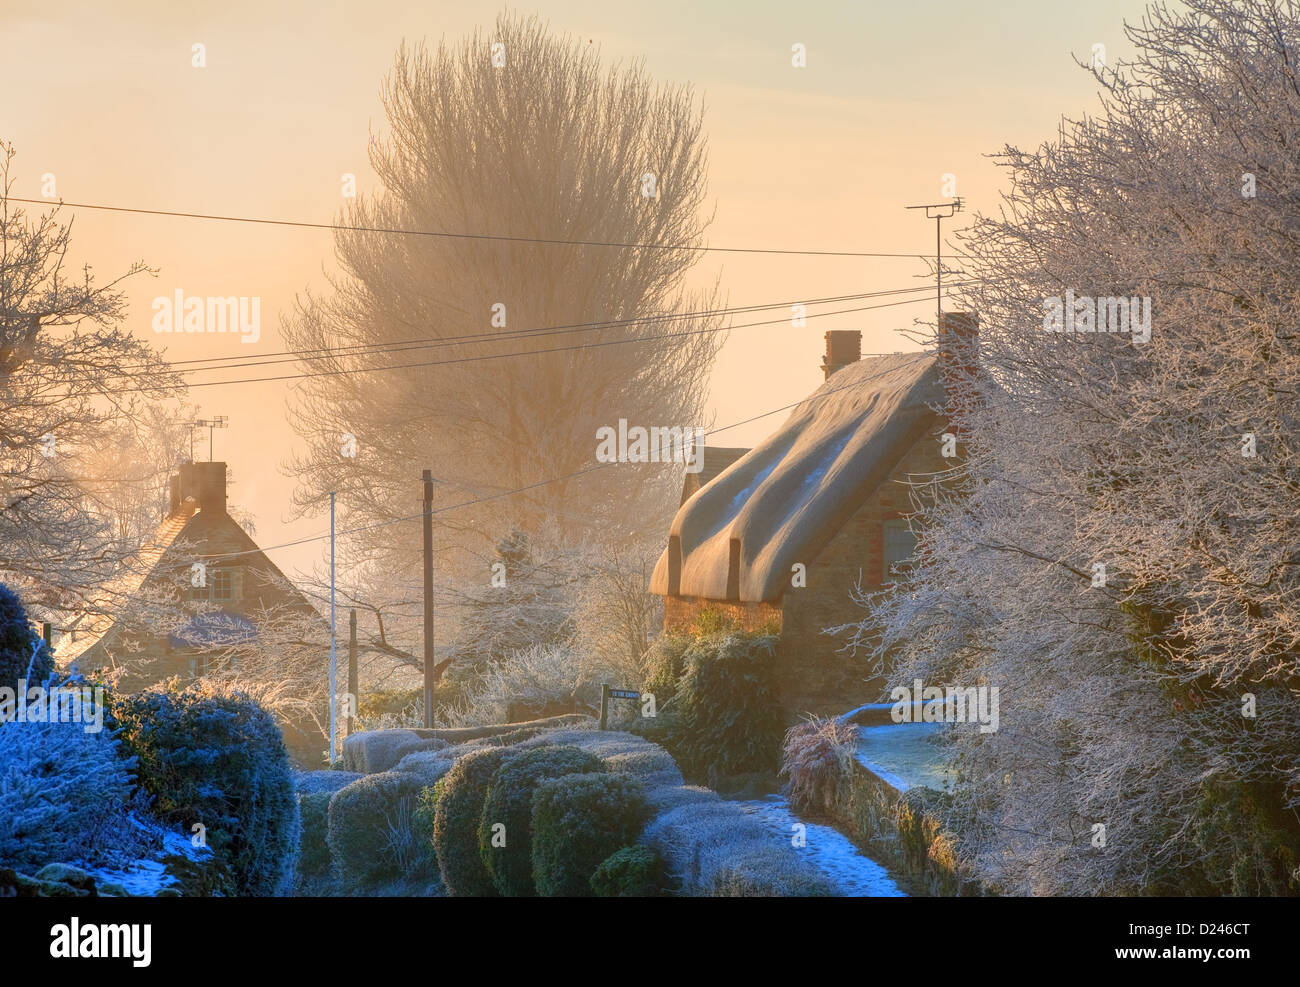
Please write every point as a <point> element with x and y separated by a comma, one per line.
<point>174,620</point>
<point>782,535</point>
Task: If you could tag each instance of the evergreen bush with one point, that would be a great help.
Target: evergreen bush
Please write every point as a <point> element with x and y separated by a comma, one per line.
<point>578,821</point>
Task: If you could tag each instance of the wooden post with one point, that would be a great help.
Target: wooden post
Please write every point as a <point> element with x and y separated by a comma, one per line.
<point>353,687</point>
<point>604,704</point>
<point>47,635</point>
<point>428,598</point>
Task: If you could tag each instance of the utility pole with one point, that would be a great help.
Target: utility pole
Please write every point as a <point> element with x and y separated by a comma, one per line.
<point>939,211</point>
<point>334,663</point>
<point>353,687</point>
<point>221,421</point>
<point>428,598</point>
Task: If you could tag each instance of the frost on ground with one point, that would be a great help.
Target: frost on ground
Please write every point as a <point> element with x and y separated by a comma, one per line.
<point>147,876</point>
<point>829,850</point>
<point>904,754</point>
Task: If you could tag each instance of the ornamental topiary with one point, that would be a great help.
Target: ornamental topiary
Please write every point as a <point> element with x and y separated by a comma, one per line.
<point>578,821</point>
<point>508,809</point>
<point>17,641</point>
<point>729,719</point>
<point>368,825</point>
<point>631,872</point>
<point>458,809</point>
<point>214,758</point>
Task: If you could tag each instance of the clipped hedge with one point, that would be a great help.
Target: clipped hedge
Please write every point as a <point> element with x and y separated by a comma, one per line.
<point>715,848</point>
<point>510,802</point>
<point>631,872</point>
<point>315,789</point>
<point>579,820</point>
<point>376,751</point>
<point>361,819</point>
<point>729,719</point>
<point>216,758</point>
<point>458,810</point>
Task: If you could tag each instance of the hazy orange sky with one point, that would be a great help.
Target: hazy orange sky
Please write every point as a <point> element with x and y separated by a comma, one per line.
<point>894,95</point>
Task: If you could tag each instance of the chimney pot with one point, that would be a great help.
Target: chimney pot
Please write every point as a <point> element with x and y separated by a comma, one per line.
<point>843,346</point>
<point>958,346</point>
<point>209,486</point>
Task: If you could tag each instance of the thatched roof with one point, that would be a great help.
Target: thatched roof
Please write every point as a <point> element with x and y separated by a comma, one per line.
<point>738,536</point>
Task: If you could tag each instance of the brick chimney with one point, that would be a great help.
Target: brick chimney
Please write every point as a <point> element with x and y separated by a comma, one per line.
<point>206,483</point>
<point>958,347</point>
<point>843,346</point>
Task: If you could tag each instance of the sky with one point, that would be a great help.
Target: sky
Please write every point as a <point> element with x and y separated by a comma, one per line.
<point>893,97</point>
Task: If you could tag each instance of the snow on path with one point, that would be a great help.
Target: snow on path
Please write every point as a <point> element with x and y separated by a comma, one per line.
<point>856,875</point>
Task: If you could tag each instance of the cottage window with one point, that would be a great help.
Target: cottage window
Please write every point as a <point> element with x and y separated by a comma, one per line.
<point>223,585</point>
<point>900,546</point>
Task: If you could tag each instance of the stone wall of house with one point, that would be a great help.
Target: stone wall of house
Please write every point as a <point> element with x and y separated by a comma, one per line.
<point>681,612</point>
<point>818,675</point>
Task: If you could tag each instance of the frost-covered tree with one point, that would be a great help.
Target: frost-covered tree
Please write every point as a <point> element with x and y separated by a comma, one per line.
<point>1119,553</point>
<point>523,135</point>
<point>73,382</point>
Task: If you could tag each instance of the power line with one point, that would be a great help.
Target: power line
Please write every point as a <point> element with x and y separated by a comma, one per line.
<point>530,486</point>
<point>467,236</point>
<point>399,346</point>
<point>502,356</point>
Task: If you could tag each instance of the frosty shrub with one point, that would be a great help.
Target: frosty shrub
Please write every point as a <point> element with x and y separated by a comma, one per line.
<point>578,821</point>
<point>714,847</point>
<point>64,796</point>
<point>212,756</point>
<point>664,664</point>
<point>361,821</point>
<point>373,751</point>
<point>769,872</point>
<point>534,678</point>
<point>728,718</point>
<point>510,802</point>
<point>16,641</point>
<point>654,766</point>
<point>315,789</point>
<point>631,872</point>
<point>313,809</point>
<point>816,755</point>
<point>458,810</point>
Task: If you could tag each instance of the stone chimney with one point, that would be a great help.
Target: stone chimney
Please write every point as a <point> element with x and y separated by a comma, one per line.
<point>843,346</point>
<point>958,347</point>
<point>206,483</point>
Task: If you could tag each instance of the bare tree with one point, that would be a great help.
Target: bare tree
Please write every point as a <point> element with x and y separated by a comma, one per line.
<point>64,357</point>
<point>1122,561</point>
<point>513,133</point>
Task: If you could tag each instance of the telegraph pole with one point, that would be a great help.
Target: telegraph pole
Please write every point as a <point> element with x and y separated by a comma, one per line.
<point>428,598</point>
<point>353,687</point>
<point>334,662</point>
<point>939,211</point>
